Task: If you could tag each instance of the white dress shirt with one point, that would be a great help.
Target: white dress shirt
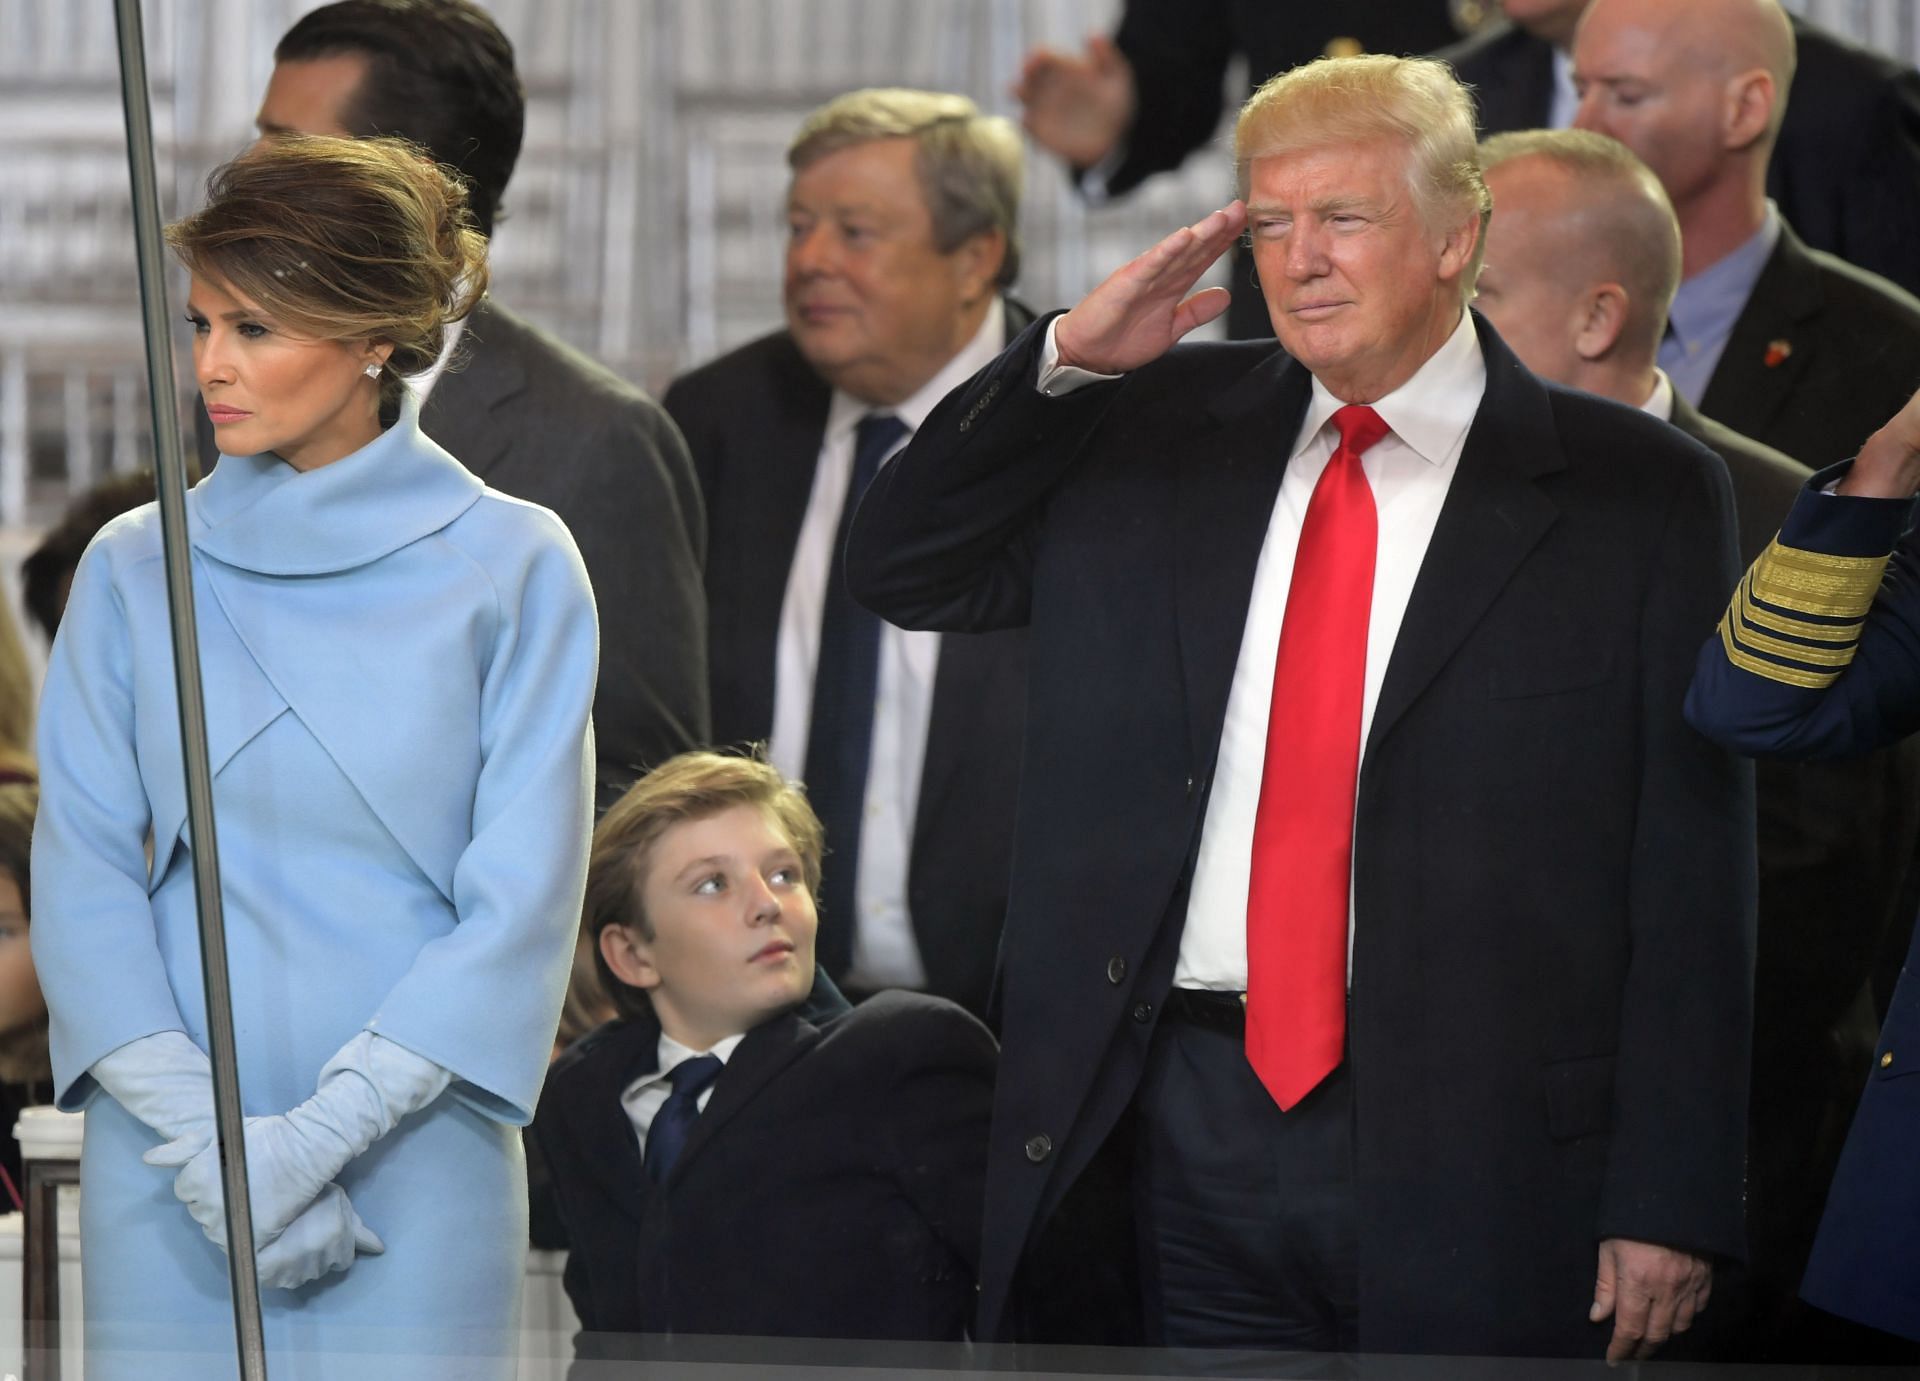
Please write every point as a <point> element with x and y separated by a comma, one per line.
<point>645,1096</point>
<point>1565,104</point>
<point>1660,402</point>
<point>1409,472</point>
<point>885,953</point>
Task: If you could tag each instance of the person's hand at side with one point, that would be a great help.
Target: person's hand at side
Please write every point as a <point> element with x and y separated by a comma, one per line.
<point>1077,106</point>
<point>1144,306</point>
<point>1650,1292</point>
<point>1888,466</point>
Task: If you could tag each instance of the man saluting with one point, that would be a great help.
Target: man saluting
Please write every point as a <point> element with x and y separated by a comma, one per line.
<point>1363,856</point>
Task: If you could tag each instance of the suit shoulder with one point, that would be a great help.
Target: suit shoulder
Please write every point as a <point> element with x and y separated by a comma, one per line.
<point>609,1041</point>
<point>1627,439</point>
<point>1862,295</point>
<point>1754,458</point>
<point>1833,74</point>
<point>908,1028</point>
<point>1194,369</point>
<point>768,360</point>
<point>566,382</point>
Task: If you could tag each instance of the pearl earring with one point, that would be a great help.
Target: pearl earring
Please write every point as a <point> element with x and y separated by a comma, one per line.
<point>372,370</point>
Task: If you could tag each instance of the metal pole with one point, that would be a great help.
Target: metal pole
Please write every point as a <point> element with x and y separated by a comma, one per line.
<point>170,473</point>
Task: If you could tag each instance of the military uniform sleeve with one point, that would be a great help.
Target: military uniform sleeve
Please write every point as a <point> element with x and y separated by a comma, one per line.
<point>1818,654</point>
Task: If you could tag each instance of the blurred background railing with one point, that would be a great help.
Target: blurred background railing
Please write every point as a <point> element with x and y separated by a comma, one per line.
<point>643,223</point>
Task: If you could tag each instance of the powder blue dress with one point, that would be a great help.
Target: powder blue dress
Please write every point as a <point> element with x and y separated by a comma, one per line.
<point>399,667</point>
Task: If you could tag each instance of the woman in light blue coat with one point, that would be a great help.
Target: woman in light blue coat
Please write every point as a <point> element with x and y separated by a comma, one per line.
<point>399,665</point>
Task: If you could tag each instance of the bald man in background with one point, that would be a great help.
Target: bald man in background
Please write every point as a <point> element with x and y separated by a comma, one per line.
<point>1784,344</point>
<point>1583,256</point>
<point>1846,169</point>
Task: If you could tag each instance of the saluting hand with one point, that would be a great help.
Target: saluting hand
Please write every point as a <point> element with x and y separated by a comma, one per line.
<point>1143,307</point>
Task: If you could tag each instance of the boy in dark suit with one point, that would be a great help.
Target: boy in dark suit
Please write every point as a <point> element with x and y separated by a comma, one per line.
<point>713,1138</point>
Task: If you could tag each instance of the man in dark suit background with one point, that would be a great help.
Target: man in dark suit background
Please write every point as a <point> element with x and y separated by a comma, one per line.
<point>902,238</point>
<point>1846,169</point>
<point>1141,102</point>
<point>1583,254</point>
<point>1784,344</point>
<point>531,416</point>
<point>1382,610</point>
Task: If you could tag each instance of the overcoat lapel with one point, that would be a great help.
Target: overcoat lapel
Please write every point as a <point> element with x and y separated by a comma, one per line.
<point>1765,355</point>
<point>1493,516</point>
<point>1227,484</point>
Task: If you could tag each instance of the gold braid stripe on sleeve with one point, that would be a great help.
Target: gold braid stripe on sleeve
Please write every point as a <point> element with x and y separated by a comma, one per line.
<point>1812,582</point>
<point>1772,671</point>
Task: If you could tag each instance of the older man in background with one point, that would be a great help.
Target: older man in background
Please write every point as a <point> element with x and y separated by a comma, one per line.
<point>1583,255</point>
<point>1369,891</point>
<point>902,239</point>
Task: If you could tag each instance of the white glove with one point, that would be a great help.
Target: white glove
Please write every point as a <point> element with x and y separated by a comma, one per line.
<point>323,1238</point>
<point>166,1081</point>
<point>292,1157</point>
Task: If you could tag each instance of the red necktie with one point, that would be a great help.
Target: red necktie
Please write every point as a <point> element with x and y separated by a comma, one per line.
<point>1302,862</point>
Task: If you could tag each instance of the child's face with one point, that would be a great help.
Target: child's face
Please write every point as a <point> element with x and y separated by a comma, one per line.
<point>20,1002</point>
<point>733,927</point>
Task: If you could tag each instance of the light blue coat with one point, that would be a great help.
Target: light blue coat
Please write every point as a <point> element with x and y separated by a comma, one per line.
<point>399,667</point>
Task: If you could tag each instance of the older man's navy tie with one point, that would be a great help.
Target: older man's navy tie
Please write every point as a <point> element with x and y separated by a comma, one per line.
<point>840,735</point>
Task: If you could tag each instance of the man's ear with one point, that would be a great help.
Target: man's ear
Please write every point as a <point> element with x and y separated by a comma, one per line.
<point>1748,107</point>
<point>1602,316</point>
<point>1456,251</point>
<point>630,956</point>
<point>977,262</point>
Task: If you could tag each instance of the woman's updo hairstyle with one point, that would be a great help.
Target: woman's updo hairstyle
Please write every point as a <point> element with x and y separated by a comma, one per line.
<point>342,239</point>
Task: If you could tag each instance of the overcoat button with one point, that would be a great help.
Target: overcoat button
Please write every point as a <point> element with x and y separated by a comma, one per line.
<point>1143,1012</point>
<point>1039,1147</point>
<point>1886,1060</point>
<point>1116,970</point>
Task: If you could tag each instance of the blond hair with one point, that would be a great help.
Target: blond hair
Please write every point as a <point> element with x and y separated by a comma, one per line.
<point>343,240</point>
<point>691,786</point>
<point>1417,102</point>
<point>970,164</point>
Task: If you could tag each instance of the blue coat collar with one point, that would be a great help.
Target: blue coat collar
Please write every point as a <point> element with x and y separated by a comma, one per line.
<point>260,514</point>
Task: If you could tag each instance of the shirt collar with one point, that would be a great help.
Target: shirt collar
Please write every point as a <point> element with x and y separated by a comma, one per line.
<point>845,413</point>
<point>1660,402</point>
<point>1431,412</point>
<point>1707,304</point>
<point>671,1053</point>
